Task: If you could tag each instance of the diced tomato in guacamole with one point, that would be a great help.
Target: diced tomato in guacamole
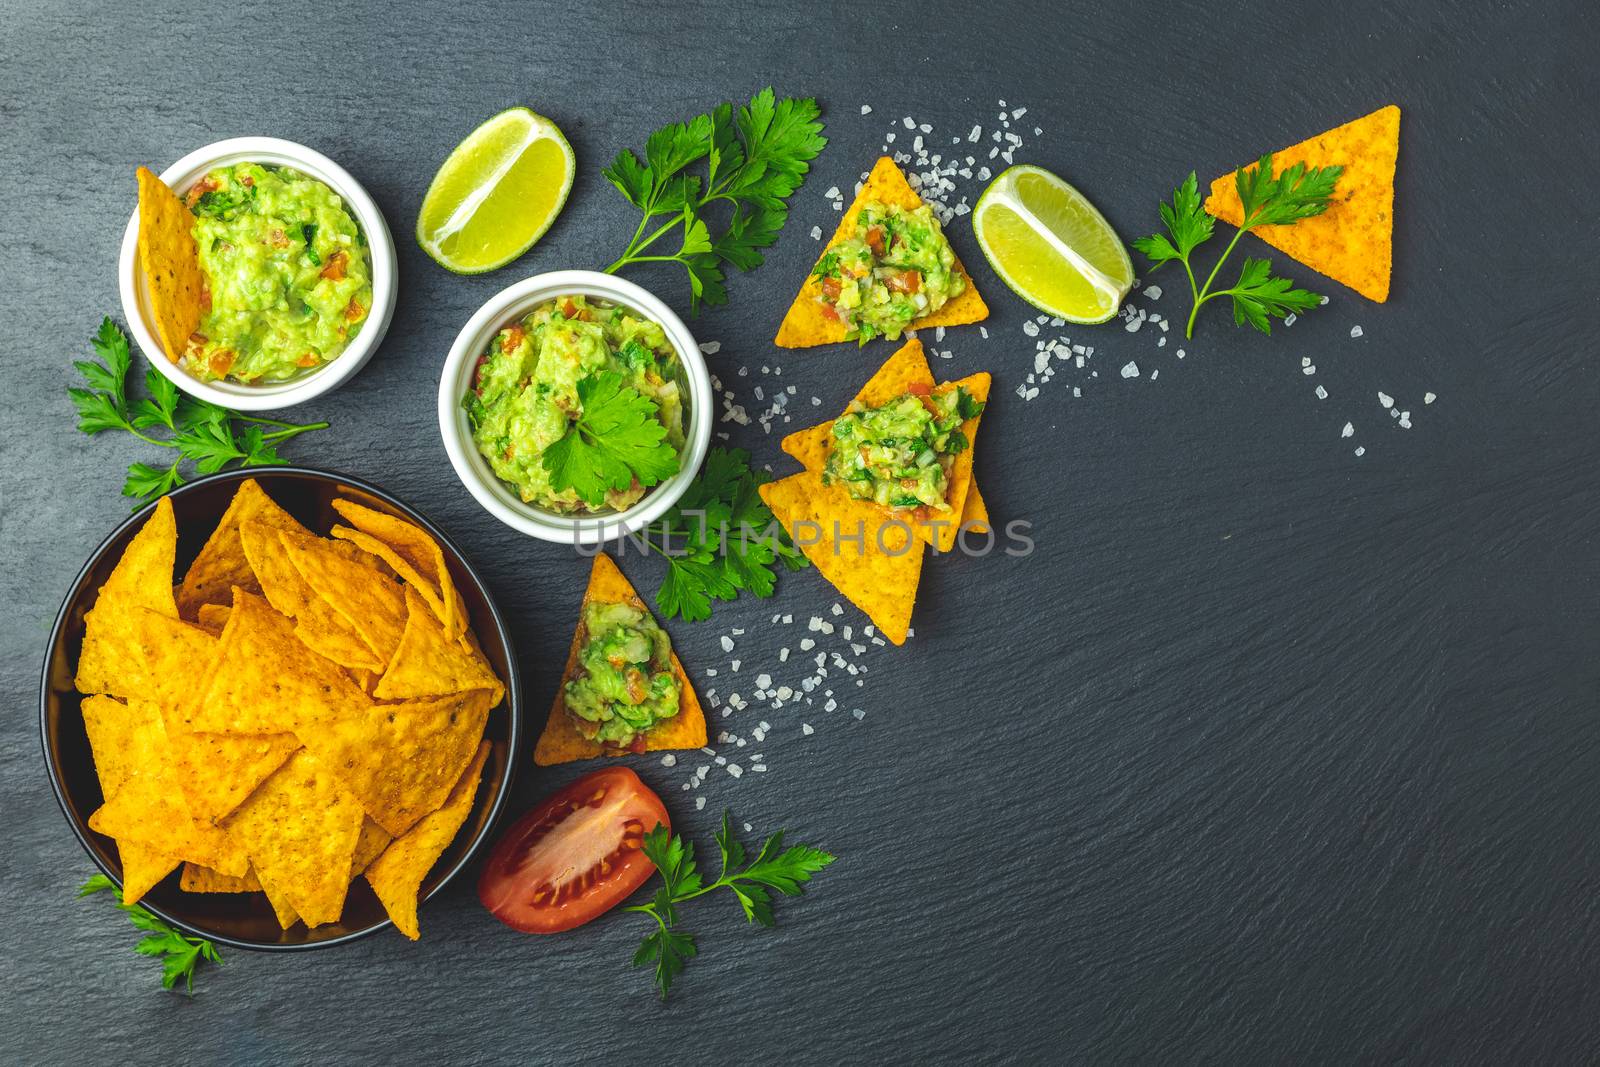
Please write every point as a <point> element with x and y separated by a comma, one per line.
<point>895,268</point>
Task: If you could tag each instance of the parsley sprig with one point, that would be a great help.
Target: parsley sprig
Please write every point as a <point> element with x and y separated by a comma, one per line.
<point>615,438</point>
<point>203,434</point>
<point>1258,297</point>
<point>180,954</point>
<point>754,162</point>
<point>774,867</point>
<point>719,539</point>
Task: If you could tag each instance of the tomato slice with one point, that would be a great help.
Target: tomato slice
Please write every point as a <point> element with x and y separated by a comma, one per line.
<point>575,856</point>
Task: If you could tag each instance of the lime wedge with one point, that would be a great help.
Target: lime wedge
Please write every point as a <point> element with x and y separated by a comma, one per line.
<point>1050,245</point>
<point>497,193</point>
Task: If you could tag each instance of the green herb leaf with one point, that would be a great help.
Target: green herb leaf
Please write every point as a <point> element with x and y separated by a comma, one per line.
<point>775,868</point>
<point>615,439</point>
<point>754,161</point>
<point>1258,296</point>
<point>180,954</point>
<point>1294,194</point>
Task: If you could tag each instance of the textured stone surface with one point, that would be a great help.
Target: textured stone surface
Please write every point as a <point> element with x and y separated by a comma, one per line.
<point>1268,753</point>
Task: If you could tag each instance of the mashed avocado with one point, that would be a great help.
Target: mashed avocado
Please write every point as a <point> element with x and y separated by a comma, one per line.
<point>895,268</point>
<point>625,683</point>
<point>288,277</point>
<point>525,393</point>
<point>899,454</point>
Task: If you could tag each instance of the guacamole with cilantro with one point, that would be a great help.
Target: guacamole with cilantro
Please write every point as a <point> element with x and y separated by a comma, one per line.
<point>895,268</point>
<point>527,409</point>
<point>288,281</point>
<point>899,454</point>
<point>625,683</point>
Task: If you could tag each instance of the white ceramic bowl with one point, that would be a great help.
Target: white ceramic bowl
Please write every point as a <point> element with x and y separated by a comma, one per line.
<point>498,498</point>
<point>380,245</point>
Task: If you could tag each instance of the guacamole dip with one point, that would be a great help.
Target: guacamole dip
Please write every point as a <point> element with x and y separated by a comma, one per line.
<point>525,397</point>
<point>625,683</point>
<point>899,454</point>
<point>895,268</point>
<point>288,281</point>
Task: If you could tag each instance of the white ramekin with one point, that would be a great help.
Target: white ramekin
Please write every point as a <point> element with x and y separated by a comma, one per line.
<point>499,499</point>
<point>271,151</point>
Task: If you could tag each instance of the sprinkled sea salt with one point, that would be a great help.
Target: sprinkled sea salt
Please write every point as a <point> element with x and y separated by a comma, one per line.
<point>1349,430</point>
<point>727,643</point>
<point>1130,370</point>
<point>1356,331</point>
<point>1385,399</point>
<point>866,109</point>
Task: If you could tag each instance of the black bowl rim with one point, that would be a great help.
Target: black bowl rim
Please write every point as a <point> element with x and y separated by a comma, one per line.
<point>513,696</point>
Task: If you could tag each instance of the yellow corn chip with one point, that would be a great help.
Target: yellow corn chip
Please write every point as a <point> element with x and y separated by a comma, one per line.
<point>138,653</point>
<point>222,563</point>
<point>396,876</point>
<point>171,263</point>
<point>317,623</point>
<point>217,771</point>
<point>148,806</point>
<point>870,557</point>
<point>1353,241</point>
<point>109,725</point>
<point>266,681</point>
<point>806,326</point>
<point>369,846</point>
<point>905,370</point>
<point>424,559</point>
<point>975,516</point>
<point>213,617</point>
<point>400,760</point>
<point>143,576</point>
<point>198,879</point>
<point>372,603</point>
<point>561,742</point>
<point>300,830</point>
<point>143,868</point>
<point>428,663</point>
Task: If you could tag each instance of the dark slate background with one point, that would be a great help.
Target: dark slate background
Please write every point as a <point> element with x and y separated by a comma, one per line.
<point>1268,753</point>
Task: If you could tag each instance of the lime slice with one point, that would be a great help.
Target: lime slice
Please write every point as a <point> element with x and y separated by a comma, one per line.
<point>497,193</point>
<point>1052,247</point>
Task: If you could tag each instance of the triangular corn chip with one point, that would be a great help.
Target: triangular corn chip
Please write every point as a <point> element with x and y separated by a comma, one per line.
<point>396,876</point>
<point>429,663</point>
<point>904,370</point>
<point>1353,241</point>
<point>869,556</point>
<point>198,879</point>
<point>217,771</point>
<point>141,654</point>
<point>110,725</point>
<point>171,263</point>
<point>427,568</point>
<point>400,760</point>
<point>300,830</point>
<point>222,563</point>
<point>806,326</point>
<point>561,742</point>
<point>372,603</point>
<point>317,623</point>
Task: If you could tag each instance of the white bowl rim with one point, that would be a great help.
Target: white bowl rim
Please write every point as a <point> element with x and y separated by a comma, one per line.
<point>499,500</point>
<point>380,244</point>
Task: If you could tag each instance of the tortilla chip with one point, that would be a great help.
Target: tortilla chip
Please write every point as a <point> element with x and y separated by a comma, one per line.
<point>317,623</point>
<point>143,868</point>
<point>139,653</point>
<point>424,561</point>
<point>372,603</point>
<point>213,617</point>
<point>975,516</point>
<point>266,681</point>
<point>396,876</point>
<point>300,830</point>
<point>906,368</point>
<point>399,760</point>
<point>805,326</point>
<point>1353,241</point>
<point>881,580</point>
<point>148,805</point>
<point>198,879</point>
<point>561,742</point>
<point>428,663</point>
<point>171,263</point>
<point>109,725</point>
<point>222,563</point>
<point>217,771</point>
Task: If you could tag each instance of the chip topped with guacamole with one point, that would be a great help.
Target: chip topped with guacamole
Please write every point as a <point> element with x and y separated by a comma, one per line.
<point>288,277</point>
<point>898,454</point>
<point>625,685</point>
<point>579,406</point>
<point>893,269</point>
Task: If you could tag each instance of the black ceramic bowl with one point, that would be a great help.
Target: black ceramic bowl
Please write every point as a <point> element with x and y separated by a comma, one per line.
<point>245,920</point>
